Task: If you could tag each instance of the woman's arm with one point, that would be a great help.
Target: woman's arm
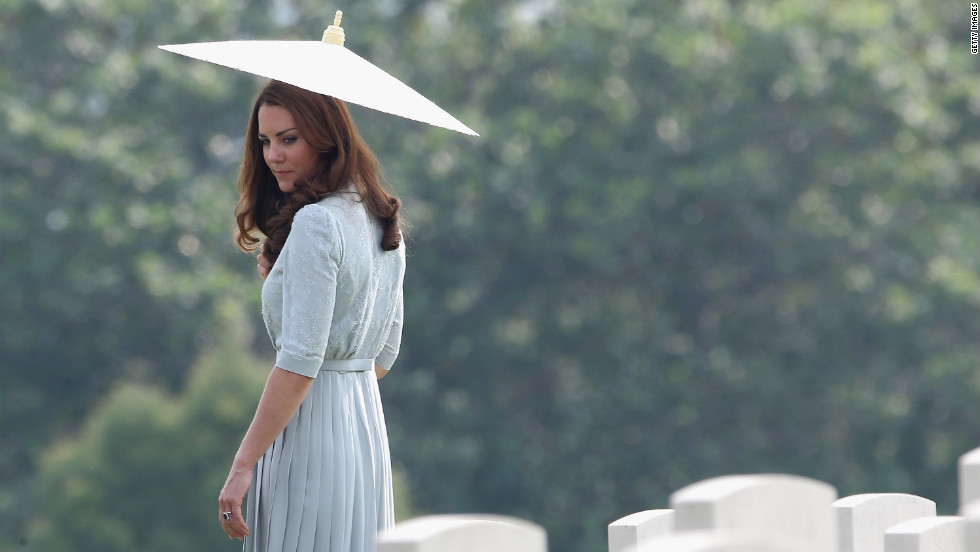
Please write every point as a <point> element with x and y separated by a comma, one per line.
<point>284,392</point>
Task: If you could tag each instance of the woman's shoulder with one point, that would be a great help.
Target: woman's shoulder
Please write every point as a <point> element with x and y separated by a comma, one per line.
<point>317,228</point>
<point>332,213</point>
<point>311,213</point>
<point>327,206</point>
<point>320,216</point>
<point>340,204</point>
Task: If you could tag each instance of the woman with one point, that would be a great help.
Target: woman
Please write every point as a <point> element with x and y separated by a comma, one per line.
<point>314,461</point>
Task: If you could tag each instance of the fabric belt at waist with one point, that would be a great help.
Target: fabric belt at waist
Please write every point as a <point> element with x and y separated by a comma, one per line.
<point>348,365</point>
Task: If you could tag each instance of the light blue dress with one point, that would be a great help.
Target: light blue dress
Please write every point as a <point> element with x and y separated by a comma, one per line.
<point>333,295</point>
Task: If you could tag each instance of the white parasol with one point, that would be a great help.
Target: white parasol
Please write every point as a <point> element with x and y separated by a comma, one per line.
<point>325,67</point>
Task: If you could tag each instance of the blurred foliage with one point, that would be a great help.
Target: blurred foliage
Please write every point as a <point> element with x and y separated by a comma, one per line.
<point>696,237</point>
<point>142,472</point>
<point>113,252</point>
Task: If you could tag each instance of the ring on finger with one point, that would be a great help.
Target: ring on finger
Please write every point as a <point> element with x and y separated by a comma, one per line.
<point>226,515</point>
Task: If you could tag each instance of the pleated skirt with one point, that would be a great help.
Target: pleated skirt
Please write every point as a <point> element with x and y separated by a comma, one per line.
<point>325,483</point>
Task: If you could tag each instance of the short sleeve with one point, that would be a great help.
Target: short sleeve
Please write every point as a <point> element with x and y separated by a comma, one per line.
<point>311,257</point>
<point>390,350</point>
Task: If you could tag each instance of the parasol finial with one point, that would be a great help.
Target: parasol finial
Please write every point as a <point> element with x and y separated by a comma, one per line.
<point>335,33</point>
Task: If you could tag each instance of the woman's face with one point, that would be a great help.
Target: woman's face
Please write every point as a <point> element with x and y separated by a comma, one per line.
<point>287,154</point>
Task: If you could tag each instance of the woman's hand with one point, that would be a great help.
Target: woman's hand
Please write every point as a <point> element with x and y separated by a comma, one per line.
<point>283,393</point>
<point>230,500</point>
<point>264,266</point>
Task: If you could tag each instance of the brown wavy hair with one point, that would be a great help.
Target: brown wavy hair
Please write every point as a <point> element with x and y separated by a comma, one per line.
<point>325,123</point>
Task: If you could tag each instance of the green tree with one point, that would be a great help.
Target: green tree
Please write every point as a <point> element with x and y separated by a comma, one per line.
<point>117,189</point>
<point>118,180</point>
<point>695,238</point>
<point>144,470</point>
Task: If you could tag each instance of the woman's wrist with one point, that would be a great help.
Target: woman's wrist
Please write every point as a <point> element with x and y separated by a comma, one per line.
<point>241,465</point>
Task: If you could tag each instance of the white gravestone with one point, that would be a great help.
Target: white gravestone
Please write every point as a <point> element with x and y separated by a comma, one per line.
<point>464,533</point>
<point>793,509</point>
<point>971,516</point>
<point>863,519</point>
<point>714,541</point>
<point>931,534</point>
<point>641,527</point>
<point>969,473</point>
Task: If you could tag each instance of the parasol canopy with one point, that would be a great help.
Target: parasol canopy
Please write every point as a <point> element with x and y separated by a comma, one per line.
<point>325,67</point>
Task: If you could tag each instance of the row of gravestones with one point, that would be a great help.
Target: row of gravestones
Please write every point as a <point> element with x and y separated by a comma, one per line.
<point>738,513</point>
